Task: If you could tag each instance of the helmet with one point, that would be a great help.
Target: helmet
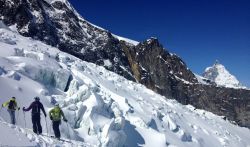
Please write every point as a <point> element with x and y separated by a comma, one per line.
<point>37,98</point>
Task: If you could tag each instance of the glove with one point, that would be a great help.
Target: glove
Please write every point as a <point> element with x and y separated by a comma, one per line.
<point>51,118</point>
<point>23,108</point>
<point>18,108</point>
<point>65,120</point>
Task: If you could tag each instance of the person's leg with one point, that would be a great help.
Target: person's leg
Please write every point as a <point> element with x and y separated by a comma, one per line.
<point>12,116</point>
<point>39,127</point>
<point>56,129</point>
<point>34,124</point>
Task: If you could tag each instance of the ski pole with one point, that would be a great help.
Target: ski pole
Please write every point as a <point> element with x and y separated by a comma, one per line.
<point>46,125</point>
<point>24,119</point>
<point>1,110</point>
<point>17,116</point>
<point>68,131</point>
<point>50,126</point>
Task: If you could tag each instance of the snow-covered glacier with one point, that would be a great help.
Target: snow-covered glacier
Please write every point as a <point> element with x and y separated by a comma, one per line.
<point>103,108</point>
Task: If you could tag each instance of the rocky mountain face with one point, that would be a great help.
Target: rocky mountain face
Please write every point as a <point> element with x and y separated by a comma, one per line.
<point>159,70</point>
<point>56,23</point>
<point>229,102</point>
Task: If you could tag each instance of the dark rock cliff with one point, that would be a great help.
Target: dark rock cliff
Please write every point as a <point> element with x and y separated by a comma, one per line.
<point>168,75</point>
<point>57,24</point>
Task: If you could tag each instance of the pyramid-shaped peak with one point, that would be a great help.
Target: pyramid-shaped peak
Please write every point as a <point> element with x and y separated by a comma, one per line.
<point>221,76</point>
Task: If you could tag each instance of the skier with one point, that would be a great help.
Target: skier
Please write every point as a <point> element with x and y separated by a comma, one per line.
<point>36,106</point>
<point>12,106</point>
<point>55,115</point>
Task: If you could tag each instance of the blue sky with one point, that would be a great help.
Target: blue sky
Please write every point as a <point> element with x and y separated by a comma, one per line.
<point>199,31</point>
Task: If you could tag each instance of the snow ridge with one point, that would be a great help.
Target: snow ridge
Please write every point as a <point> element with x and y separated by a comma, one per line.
<point>133,42</point>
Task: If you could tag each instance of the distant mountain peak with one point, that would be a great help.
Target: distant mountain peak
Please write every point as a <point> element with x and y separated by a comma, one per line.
<point>152,40</point>
<point>221,76</point>
<point>216,62</point>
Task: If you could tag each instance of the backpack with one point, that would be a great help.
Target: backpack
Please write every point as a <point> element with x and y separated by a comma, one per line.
<point>36,108</point>
<point>56,114</point>
<point>11,105</point>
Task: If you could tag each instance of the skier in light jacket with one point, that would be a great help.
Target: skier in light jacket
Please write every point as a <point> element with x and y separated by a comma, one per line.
<point>56,114</point>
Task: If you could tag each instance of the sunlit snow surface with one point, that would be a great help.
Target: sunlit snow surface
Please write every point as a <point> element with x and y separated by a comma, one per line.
<point>221,76</point>
<point>103,109</point>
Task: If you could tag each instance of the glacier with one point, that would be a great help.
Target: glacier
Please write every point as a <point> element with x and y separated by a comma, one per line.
<point>103,108</point>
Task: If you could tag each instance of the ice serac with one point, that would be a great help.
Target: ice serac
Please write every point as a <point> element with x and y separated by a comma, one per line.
<point>56,23</point>
<point>221,76</point>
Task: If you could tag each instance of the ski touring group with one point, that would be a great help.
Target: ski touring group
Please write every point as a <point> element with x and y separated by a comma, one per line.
<point>56,115</point>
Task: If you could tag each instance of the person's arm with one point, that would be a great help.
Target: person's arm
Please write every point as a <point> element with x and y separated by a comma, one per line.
<point>50,113</point>
<point>63,116</point>
<point>16,107</point>
<point>5,104</point>
<point>43,110</point>
<point>28,109</point>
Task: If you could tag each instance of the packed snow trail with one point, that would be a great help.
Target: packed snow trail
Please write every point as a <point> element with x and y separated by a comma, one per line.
<point>12,135</point>
<point>102,108</point>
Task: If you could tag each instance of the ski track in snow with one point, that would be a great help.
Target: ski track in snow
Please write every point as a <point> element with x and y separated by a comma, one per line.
<point>103,109</point>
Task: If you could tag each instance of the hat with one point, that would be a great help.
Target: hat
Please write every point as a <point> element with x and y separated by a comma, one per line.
<point>14,97</point>
<point>56,104</point>
<point>37,98</point>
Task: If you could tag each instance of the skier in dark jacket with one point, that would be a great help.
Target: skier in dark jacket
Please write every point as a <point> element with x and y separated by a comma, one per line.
<point>36,106</point>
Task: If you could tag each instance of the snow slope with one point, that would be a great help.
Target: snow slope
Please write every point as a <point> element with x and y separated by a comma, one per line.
<point>103,109</point>
<point>221,76</point>
<point>201,79</point>
<point>16,136</point>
